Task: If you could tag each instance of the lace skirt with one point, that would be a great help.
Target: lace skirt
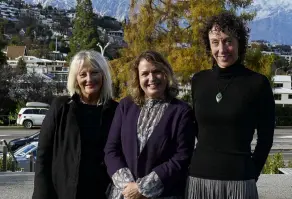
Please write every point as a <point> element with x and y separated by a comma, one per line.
<point>198,188</point>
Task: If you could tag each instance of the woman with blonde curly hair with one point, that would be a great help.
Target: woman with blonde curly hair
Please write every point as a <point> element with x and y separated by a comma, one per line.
<point>152,135</point>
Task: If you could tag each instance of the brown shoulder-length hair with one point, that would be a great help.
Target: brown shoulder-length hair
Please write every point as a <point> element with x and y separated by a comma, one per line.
<point>161,63</point>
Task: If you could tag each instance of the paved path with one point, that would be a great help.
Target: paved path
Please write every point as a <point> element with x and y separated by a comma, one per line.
<point>20,186</point>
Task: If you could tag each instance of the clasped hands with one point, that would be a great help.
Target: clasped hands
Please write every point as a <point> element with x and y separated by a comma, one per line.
<point>131,191</point>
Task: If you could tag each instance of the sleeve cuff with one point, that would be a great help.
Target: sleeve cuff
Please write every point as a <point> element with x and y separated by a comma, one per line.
<point>150,186</point>
<point>122,177</point>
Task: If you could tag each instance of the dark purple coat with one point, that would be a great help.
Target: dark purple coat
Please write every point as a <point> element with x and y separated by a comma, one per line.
<point>167,152</point>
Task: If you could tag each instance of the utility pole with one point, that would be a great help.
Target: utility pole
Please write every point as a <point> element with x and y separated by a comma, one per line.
<point>56,48</point>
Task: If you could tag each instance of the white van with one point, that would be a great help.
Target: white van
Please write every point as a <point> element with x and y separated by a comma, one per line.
<point>32,115</point>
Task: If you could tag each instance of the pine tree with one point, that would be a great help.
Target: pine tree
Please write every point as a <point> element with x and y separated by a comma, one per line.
<point>85,34</point>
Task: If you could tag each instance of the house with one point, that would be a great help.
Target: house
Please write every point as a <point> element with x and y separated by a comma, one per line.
<point>24,12</point>
<point>71,16</point>
<point>55,69</point>
<point>282,89</point>
<point>14,52</point>
<point>48,22</point>
<point>22,32</point>
<point>117,38</point>
<point>287,57</point>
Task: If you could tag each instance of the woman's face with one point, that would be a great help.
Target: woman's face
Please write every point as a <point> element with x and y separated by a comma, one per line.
<point>224,47</point>
<point>89,80</point>
<point>153,81</point>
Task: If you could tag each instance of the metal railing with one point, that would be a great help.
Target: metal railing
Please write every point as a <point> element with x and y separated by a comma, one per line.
<point>7,152</point>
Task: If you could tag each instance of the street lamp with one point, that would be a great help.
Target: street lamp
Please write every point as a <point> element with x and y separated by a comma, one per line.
<point>102,49</point>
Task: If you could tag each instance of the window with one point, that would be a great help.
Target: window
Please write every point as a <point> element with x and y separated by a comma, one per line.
<point>58,68</point>
<point>28,111</point>
<point>290,96</point>
<point>277,96</point>
<point>36,111</point>
<point>25,150</point>
<point>278,85</point>
<point>43,111</point>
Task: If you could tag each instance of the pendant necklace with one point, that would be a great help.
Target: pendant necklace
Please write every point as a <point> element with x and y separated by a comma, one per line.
<point>219,95</point>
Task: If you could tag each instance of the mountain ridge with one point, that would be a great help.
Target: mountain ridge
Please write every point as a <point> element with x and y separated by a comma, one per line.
<point>272,23</point>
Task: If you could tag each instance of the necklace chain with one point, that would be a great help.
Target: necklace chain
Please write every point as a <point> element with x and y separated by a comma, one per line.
<point>219,95</point>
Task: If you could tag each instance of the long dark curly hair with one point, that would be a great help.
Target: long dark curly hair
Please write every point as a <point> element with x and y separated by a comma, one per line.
<point>235,26</point>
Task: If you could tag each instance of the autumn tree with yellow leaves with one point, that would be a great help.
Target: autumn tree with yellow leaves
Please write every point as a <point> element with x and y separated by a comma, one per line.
<point>171,27</point>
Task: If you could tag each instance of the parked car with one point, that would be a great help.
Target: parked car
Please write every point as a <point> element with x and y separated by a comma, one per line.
<point>22,155</point>
<point>32,115</point>
<point>19,142</point>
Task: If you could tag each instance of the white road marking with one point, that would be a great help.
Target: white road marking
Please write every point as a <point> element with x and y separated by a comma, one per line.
<point>289,137</point>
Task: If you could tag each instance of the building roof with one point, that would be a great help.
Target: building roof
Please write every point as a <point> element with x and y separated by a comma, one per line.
<point>282,91</point>
<point>15,51</point>
<point>282,78</point>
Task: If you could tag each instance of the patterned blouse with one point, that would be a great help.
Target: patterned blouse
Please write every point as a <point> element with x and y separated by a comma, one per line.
<point>150,185</point>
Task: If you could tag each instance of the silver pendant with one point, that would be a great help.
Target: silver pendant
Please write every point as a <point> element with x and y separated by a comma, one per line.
<point>219,97</point>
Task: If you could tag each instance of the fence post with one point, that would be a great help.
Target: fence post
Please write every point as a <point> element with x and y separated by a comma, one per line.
<point>4,163</point>
<point>31,163</point>
<point>13,165</point>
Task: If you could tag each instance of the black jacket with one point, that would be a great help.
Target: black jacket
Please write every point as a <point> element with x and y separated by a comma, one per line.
<point>58,155</point>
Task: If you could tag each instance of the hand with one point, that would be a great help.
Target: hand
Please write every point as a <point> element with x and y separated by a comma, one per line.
<point>131,191</point>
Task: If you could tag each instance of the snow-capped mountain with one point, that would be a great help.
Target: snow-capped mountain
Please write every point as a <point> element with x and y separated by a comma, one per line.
<point>271,8</point>
<point>272,23</point>
<point>61,4</point>
<point>114,8</point>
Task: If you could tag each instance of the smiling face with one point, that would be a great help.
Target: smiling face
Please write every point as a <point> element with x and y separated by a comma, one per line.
<point>89,80</point>
<point>224,47</point>
<point>153,80</point>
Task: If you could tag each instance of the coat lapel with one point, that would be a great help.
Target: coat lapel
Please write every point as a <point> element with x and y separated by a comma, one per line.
<point>72,117</point>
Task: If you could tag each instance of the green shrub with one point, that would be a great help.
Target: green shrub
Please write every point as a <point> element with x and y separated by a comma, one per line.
<point>290,164</point>
<point>273,163</point>
<point>9,164</point>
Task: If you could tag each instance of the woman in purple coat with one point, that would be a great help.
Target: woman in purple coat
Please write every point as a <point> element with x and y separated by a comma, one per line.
<point>152,135</point>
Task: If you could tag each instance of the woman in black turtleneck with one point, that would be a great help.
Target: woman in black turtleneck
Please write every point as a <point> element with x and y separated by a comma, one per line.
<point>230,102</point>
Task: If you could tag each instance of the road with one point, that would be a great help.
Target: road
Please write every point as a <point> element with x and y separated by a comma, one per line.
<point>8,133</point>
<point>282,138</point>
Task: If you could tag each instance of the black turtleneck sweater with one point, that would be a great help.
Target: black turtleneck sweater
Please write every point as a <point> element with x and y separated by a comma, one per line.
<point>225,129</point>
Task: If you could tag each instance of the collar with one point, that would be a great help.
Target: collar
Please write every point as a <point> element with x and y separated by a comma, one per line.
<point>234,70</point>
